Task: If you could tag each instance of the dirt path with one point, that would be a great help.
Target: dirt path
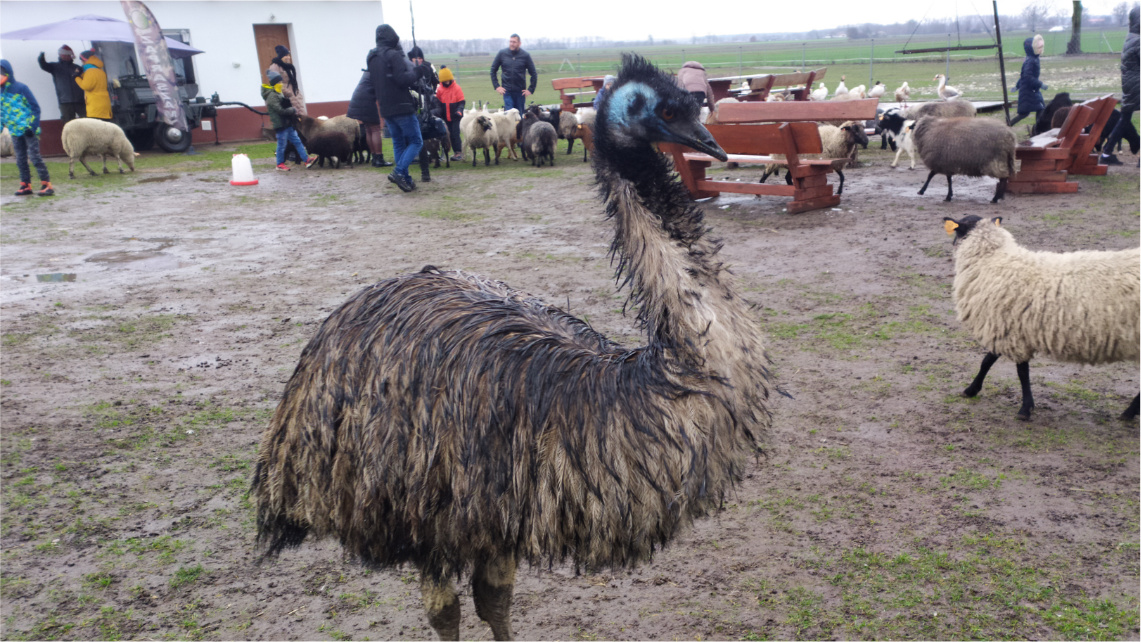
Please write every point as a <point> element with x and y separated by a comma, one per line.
<point>887,506</point>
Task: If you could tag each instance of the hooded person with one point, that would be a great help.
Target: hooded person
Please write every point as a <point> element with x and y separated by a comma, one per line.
<point>692,78</point>
<point>20,113</point>
<point>282,63</point>
<point>393,76</point>
<point>451,97</point>
<point>362,107</point>
<point>93,81</point>
<point>67,93</point>
<point>1130,91</point>
<point>1029,88</point>
<point>606,83</point>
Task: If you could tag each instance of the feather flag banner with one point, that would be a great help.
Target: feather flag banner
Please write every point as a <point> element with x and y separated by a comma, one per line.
<point>150,45</point>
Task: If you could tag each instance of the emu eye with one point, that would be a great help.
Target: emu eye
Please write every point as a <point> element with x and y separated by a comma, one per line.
<point>667,114</point>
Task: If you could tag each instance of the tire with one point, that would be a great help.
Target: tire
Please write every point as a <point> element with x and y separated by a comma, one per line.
<point>170,139</point>
<point>142,140</point>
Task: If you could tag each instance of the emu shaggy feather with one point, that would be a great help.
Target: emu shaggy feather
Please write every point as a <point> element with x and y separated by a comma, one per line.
<point>450,422</point>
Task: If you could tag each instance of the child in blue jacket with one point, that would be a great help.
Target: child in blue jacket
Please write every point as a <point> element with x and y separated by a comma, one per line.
<point>20,113</point>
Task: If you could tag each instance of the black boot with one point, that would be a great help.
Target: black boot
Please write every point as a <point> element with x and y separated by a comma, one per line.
<point>378,161</point>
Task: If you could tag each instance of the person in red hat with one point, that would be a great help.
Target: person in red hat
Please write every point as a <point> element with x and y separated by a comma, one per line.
<point>69,94</point>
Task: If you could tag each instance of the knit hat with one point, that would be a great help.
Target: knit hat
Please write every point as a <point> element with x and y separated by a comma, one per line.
<point>66,51</point>
<point>281,51</point>
<point>272,76</point>
<point>415,52</point>
<point>608,79</point>
<point>87,54</point>
<point>446,75</point>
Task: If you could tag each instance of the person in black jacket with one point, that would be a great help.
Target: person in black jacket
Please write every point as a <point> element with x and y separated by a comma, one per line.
<point>392,76</point>
<point>1130,90</point>
<point>1029,87</point>
<point>362,107</point>
<point>69,94</point>
<point>515,63</point>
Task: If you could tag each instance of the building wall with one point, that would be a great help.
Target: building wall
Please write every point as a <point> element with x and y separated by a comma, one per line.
<point>330,39</point>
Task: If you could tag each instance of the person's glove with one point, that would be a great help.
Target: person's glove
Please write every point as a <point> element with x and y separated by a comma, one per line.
<point>289,111</point>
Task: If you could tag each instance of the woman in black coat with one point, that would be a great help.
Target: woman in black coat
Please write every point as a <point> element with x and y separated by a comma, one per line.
<point>1130,90</point>
<point>362,107</point>
<point>1029,87</point>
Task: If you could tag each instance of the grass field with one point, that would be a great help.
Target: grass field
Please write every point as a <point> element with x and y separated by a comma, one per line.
<point>976,72</point>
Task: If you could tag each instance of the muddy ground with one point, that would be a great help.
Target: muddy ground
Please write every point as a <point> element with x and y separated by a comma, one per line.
<point>887,506</point>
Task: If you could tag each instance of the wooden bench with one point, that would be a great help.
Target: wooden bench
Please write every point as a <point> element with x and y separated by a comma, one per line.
<point>568,97</point>
<point>1052,157</point>
<point>793,134</point>
<point>761,85</point>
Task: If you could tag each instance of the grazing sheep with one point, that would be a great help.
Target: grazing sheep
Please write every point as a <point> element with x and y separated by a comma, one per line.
<point>6,148</point>
<point>330,144</point>
<point>84,136</point>
<point>906,143</point>
<point>966,146</point>
<point>479,132</point>
<point>445,421</point>
<point>438,147</point>
<point>837,143</point>
<point>903,94</point>
<point>361,152</point>
<point>584,119</point>
<point>540,140</point>
<point>945,91</point>
<point>1079,307</point>
<point>1045,120</point>
<point>308,127</point>
<point>568,129</point>
<point>505,122</point>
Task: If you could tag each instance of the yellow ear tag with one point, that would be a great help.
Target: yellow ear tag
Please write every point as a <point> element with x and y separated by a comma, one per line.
<point>950,226</point>
<point>997,221</point>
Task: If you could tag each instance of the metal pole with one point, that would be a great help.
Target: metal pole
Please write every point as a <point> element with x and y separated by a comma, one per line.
<point>872,67</point>
<point>802,46</point>
<point>948,72</point>
<point>739,61</point>
<point>1001,64</point>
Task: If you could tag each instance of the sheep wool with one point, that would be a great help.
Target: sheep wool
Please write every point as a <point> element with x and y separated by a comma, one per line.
<point>479,132</point>
<point>330,144</point>
<point>540,140</point>
<point>1080,307</point>
<point>84,136</point>
<point>837,142</point>
<point>968,147</point>
<point>505,126</point>
<point>5,143</point>
<point>940,109</point>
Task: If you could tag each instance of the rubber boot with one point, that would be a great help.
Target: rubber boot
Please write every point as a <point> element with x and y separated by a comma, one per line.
<point>45,189</point>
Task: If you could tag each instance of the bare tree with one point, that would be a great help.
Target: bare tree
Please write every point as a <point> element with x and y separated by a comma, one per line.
<point>1035,14</point>
<point>1075,44</point>
<point>1121,14</point>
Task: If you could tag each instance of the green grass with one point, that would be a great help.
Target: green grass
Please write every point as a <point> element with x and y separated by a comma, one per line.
<point>186,575</point>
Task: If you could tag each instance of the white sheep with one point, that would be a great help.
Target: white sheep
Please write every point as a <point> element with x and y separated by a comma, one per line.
<point>479,132</point>
<point>967,147</point>
<point>6,148</point>
<point>837,142</point>
<point>84,136</point>
<point>505,127</point>
<point>906,143</point>
<point>711,119</point>
<point>1079,307</point>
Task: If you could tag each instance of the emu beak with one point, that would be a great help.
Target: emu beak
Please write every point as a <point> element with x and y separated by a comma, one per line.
<point>694,135</point>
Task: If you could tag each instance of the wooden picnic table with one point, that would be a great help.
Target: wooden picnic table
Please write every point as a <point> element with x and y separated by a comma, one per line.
<point>752,131</point>
<point>1050,158</point>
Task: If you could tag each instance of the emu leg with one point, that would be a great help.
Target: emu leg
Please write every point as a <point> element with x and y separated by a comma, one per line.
<point>949,191</point>
<point>977,384</point>
<point>924,188</point>
<point>442,605</point>
<point>1027,398</point>
<point>999,191</point>
<point>1133,409</point>
<point>491,587</point>
<point>840,190</point>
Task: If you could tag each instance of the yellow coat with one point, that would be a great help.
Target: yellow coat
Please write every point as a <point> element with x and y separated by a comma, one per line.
<point>93,81</point>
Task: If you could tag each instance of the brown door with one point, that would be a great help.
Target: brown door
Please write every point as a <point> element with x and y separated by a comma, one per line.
<point>267,37</point>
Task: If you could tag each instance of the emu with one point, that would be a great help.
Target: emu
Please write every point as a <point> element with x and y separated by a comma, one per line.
<point>449,422</point>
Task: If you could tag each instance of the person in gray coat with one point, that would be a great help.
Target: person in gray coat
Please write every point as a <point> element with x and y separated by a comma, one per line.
<point>1130,89</point>
<point>67,92</point>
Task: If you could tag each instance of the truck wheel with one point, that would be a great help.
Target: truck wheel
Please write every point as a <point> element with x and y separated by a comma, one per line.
<point>170,139</point>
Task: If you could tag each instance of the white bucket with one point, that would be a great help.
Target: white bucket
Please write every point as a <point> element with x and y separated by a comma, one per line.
<point>243,171</point>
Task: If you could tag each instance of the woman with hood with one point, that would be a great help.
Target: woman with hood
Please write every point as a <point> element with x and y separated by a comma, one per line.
<point>606,83</point>
<point>1029,87</point>
<point>362,107</point>
<point>282,63</point>
<point>1130,89</point>
<point>393,75</point>
<point>93,81</point>
<point>691,77</point>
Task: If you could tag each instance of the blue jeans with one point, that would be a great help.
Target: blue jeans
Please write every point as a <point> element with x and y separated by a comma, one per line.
<point>514,99</point>
<point>28,145</point>
<point>406,140</point>
<point>288,136</point>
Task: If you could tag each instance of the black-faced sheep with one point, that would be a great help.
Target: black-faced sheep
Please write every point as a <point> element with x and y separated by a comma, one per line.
<point>1079,307</point>
<point>479,132</point>
<point>540,140</point>
<point>332,145</point>
<point>966,146</point>
<point>837,143</point>
<point>84,136</point>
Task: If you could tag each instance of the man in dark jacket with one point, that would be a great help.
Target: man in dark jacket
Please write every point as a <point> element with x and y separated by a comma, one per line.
<point>1029,86</point>
<point>69,94</point>
<point>515,63</point>
<point>1130,90</point>
<point>392,76</point>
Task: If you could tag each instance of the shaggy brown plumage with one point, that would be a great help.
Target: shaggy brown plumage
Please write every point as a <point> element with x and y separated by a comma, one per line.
<point>450,422</point>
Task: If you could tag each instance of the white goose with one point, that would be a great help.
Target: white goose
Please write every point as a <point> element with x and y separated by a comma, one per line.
<point>821,93</point>
<point>946,92</point>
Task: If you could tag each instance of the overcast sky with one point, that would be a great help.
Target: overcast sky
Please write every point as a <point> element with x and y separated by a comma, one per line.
<point>625,20</point>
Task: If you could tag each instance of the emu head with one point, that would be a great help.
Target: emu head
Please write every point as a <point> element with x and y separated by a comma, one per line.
<point>964,226</point>
<point>646,106</point>
<point>856,133</point>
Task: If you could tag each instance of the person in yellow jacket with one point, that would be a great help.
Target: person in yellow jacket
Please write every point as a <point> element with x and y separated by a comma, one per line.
<point>93,81</point>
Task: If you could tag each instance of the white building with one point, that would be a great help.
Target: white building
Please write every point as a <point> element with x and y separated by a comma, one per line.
<point>328,40</point>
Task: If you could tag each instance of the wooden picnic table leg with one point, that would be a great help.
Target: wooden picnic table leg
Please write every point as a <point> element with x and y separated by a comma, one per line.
<point>690,173</point>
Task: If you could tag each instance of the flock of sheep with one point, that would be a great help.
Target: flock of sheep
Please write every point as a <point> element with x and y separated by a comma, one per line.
<point>536,132</point>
